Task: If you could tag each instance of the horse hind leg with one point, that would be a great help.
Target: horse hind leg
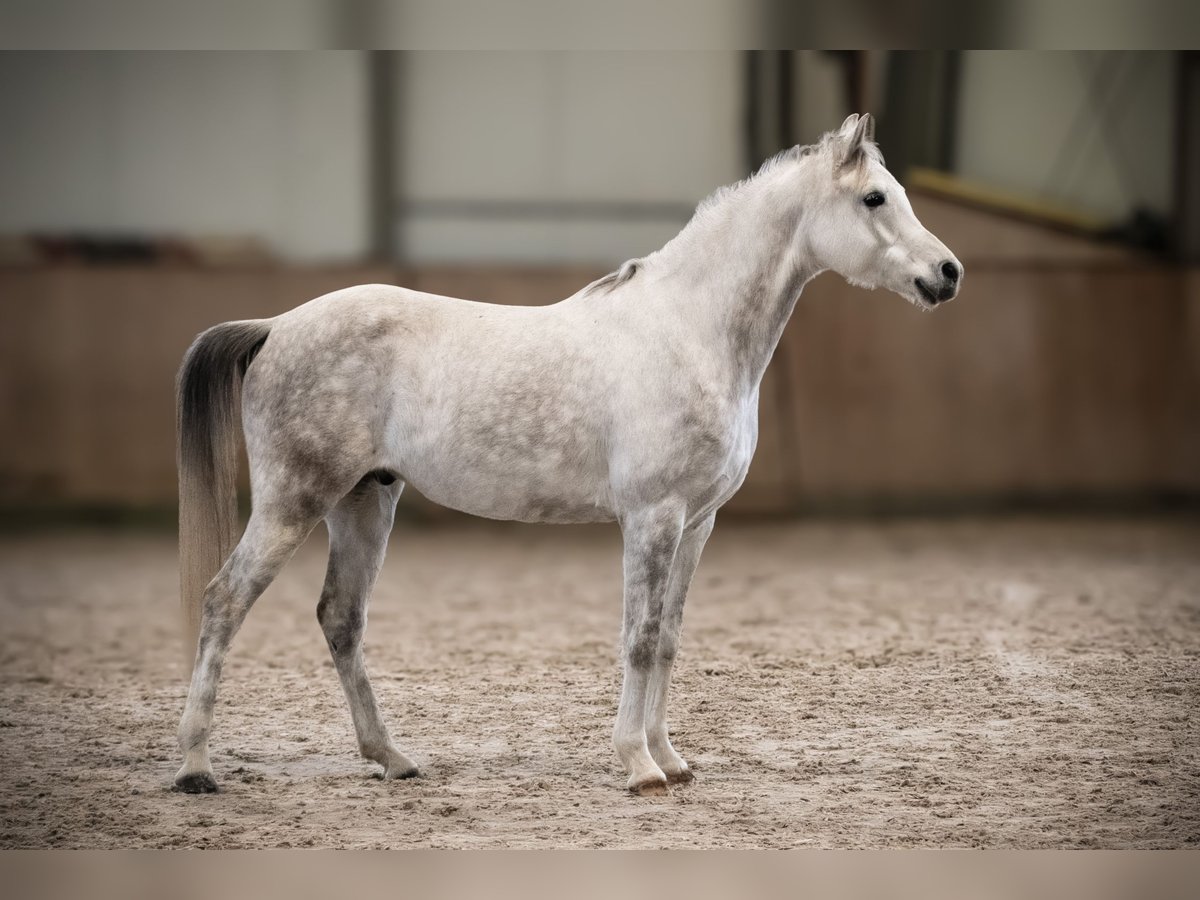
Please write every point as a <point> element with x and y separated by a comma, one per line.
<point>269,541</point>
<point>358,533</point>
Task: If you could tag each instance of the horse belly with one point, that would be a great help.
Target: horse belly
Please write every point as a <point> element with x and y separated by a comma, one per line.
<point>521,494</point>
<point>513,463</point>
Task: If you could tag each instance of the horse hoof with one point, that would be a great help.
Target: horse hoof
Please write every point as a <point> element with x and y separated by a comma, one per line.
<point>401,774</point>
<point>655,787</point>
<point>683,776</point>
<point>196,783</point>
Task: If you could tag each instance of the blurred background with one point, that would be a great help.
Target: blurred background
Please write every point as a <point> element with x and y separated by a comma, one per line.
<point>946,678</point>
<point>147,195</point>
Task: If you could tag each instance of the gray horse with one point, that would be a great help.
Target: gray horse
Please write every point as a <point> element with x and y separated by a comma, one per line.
<point>635,400</point>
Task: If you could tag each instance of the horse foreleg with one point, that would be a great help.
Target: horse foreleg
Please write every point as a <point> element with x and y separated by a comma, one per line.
<point>358,533</point>
<point>690,546</point>
<point>651,540</point>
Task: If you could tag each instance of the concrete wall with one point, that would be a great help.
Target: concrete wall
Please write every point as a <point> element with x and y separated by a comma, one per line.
<point>176,24</point>
<point>550,157</point>
<point>1017,110</point>
<point>87,364</point>
<point>271,145</point>
<point>274,145</point>
<point>514,140</point>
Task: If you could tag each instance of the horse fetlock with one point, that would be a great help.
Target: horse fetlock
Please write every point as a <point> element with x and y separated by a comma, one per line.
<point>395,764</point>
<point>193,736</point>
<point>629,746</point>
<point>645,777</point>
<point>660,747</point>
<point>195,776</point>
<point>668,759</point>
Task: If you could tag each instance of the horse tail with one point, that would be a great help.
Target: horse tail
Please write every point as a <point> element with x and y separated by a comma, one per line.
<point>208,394</point>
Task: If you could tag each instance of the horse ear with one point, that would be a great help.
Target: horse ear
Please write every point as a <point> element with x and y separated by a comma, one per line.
<point>867,123</point>
<point>854,132</point>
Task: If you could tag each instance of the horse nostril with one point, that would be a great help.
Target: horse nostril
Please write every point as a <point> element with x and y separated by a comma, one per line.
<point>950,270</point>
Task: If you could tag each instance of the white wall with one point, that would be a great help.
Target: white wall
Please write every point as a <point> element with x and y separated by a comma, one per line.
<point>1017,107</point>
<point>174,24</point>
<point>257,143</point>
<point>552,127</point>
<point>275,145</point>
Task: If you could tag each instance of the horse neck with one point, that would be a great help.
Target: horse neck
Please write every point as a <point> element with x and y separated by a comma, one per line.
<point>736,272</point>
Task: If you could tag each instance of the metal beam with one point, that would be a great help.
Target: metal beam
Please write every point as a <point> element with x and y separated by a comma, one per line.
<point>1187,159</point>
<point>382,147</point>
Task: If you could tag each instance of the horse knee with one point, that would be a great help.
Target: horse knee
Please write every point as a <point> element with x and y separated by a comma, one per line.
<point>668,648</point>
<point>642,644</point>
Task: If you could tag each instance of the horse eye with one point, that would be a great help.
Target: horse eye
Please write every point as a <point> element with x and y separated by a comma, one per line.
<point>874,199</point>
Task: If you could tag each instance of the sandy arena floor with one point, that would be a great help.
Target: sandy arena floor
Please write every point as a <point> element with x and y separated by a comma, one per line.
<point>998,683</point>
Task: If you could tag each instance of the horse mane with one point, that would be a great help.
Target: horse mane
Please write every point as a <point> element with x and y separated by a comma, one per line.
<point>629,268</point>
<point>783,157</point>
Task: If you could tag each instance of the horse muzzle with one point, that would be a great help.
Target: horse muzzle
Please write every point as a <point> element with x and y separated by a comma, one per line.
<point>943,287</point>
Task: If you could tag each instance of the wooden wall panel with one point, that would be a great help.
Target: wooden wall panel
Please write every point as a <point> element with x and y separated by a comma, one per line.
<point>88,364</point>
<point>1186,409</point>
<point>1032,382</point>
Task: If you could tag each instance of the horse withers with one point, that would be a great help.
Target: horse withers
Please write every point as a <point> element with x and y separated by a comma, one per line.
<point>634,400</point>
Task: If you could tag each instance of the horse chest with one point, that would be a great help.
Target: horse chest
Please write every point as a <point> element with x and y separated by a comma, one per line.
<point>716,456</point>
